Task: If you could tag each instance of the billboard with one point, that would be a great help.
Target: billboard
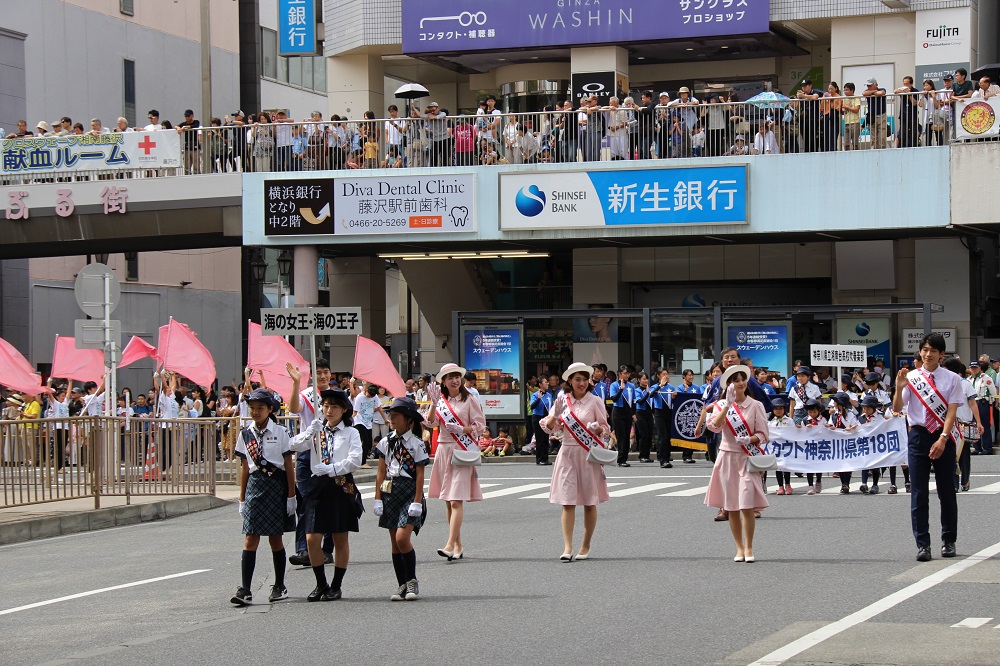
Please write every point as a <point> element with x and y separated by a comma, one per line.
<point>296,27</point>
<point>454,26</point>
<point>27,155</point>
<point>766,343</point>
<point>624,197</point>
<point>870,332</point>
<point>494,354</point>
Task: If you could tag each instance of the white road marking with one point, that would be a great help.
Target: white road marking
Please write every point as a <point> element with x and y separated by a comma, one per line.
<point>103,589</point>
<point>991,489</point>
<point>545,495</point>
<point>971,623</point>
<point>624,492</point>
<point>798,646</point>
<point>687,492</point>
<point>514,490</point>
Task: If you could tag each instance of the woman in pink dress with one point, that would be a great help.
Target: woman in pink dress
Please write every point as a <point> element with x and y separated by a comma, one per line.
<point>575,481</point>
<point>452,483</point>
<point>733,488</point>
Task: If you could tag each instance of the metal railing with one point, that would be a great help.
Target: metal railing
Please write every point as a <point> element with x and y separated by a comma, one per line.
<point>228,466</point>
<point>582,134</point>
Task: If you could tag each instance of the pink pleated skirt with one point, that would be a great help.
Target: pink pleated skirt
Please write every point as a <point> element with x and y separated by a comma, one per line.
<point>732,487</point>
<point>452,482</point>
<point>576,482</point>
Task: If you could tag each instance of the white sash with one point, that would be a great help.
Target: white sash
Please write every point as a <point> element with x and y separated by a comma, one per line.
<point>740,428</point>
<point>446,416</point>
<point>577,429</point>
<point>932,399</point>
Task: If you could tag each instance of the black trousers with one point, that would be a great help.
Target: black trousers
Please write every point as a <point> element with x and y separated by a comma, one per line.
<point>985,444</point>
<point>366,441</point>
<point>621,423</point>
<point>644,431</point>
<point>541,439</point>
<point>921,465</point>
<point>661,421</point>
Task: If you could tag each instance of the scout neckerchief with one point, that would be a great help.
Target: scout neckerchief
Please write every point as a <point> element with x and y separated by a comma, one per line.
<point>398,450</point>
<point>447,416</point>
<point>583,436</point>
<point>252,439</point>
<point>935,406</point>
<point>800,393</point>
<point>740,428</point>
<point>838,421</point>
<point>782,421</point>
<point>327,442</point>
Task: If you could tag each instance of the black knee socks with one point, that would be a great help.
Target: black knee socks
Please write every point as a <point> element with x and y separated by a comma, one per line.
<point>320,576</point>
<point>410,561</point>
<point>809,478</point>
<point>278,557</point>
<point>338,577</point>
<point>892,475</point>
<point>399,567</point>
<point>248,564</point>
<point>845,478</point>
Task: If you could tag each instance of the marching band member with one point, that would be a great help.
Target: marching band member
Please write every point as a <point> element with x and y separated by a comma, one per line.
<point>399,491</point>
<point>582,419</point>
<point>461,419</point>
<point>332,501</point>
<point>742,421</point>
<point>267,493</point>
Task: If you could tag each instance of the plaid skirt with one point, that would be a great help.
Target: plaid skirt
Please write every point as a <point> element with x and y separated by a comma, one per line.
<point>265,513</point>
<point>331,507</point>
<point>395,506</point>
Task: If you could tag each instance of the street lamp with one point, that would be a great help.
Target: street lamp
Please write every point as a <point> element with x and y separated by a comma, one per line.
<point>284,263</point>
<point>258,269</point>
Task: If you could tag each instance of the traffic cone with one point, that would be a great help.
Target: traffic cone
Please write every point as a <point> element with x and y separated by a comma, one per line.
<point>151,471</point>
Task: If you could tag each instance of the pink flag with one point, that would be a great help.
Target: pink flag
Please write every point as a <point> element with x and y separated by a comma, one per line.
<point>85,365</point>
<point>161,344</point>
<point>372,364</point>
<point>269,353</point>
<point>181,352</point>
<point>135,350</point>
<point>17,373</point>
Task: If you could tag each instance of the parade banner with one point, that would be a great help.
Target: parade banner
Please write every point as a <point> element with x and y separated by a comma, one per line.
<point>687,411</point>
<point>87,152</point>
<point>881,443</point>
<point>976,118</point>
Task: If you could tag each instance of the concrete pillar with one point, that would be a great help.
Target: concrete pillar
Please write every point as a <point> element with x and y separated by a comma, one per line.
<point>305,275</point>
<point>601,59</point>
<point>357,282</point>
<point>355,84</point>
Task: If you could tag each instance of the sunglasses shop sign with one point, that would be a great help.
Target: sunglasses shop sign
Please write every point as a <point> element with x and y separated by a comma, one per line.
<point>624,197</point>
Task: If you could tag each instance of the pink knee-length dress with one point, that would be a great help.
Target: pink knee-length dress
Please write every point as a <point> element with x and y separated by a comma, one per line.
<point>576,482</point>
<point>452,482</point>
<point>732,487</point>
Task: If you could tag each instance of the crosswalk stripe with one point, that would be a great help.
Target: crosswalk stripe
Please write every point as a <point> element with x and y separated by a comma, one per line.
<point>972,622</point>
<point>545,495</point>
<point>514,490</point>
<point>687,492</point>
<point>624,492</point>
<point>986,490</point>
<point>371,494</point>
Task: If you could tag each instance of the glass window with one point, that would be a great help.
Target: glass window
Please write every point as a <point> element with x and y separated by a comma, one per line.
<point>295,71</point>
<point>269,53</point>
<point>319,75</point>
<point>307,72</point>
<point>127,7</point>
<point>128,91</point>
<point>283,69</point>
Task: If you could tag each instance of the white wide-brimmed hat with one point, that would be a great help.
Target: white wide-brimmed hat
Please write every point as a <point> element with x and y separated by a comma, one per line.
<point>577,367</point>
<point>450,369</point>
<point>724,382</point>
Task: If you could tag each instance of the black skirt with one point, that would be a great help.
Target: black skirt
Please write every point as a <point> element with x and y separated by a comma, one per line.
<point>396,504</point>
<point>331,507</point>
<point>266,501</point>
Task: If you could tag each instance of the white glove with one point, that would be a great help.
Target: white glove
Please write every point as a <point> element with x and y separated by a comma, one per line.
<point>730,392</point>
<point>377,508</point>
<point>743,441</point>
<point>454,428</point>
<point>290,505</point>
<point>594,426</point>
<point>316,427</point>
<point>559,406</point>
<point>321,469</point>
<point>415,510</point>
<point>243,507</point>
<point>433,392</point>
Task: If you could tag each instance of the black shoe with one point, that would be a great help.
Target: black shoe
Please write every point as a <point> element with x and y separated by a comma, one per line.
<point>242,597</point>
<point>331,595</point>
<point>948,549</point>
<point>317,593</point>
<point>923,554</point>
<point>299,559</point>
<point>327,558</point>
<point>542,462</point>
<point>845,489</point>
<point>399,594</point>
<point>689,460</point>
<point>625,464</point>
<point>667,465</point>
<point>412,590</point>
<point>645,460</point>
<point>278,593</point>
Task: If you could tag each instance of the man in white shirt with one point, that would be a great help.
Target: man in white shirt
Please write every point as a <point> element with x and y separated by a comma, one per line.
<point>283,140</point>
<point>395,130</point>
<point>986,395</point>
<point>986,89</point>
<point>366,403</point>
<point>154,121</point>
<point>470,384</point>
<point>931,445</point>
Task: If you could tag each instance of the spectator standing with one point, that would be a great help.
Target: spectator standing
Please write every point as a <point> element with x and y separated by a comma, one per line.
<point>683,121</point>
<point>437,135</point>
<point>986,89</point>
<point>154,121</point>
<point>617,119</point>
<point>395,130</point>
<point>930,115</point>
<point>283,141</point>
<point>465,142</point>
<point>963,87</point>
<point>236,134</point>
<point>809,116</point>
<point>876,115</point>
<point>764,142</point>
<point>262,137</point>
<point>852,117</point>
<point>22,130</point>
<point>831,108</point>
<point>415,141</point>
<point>189,142</point>
<point>906,136</point>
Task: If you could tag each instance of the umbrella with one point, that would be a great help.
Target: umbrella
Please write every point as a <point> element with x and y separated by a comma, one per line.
<point>769,100</point>
<point>992,71</point>
<point>412,91</point>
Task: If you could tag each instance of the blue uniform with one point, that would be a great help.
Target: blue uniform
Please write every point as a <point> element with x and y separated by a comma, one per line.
<point>641,397</point>
<point>623,397</point>
<point>600,390</point>
<point>694,388</point>
<point>541,403</point>
<point>659,396</point>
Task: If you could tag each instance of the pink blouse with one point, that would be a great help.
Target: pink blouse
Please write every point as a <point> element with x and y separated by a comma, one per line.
<point>755,416</point>
<point>588,409</point>
<point>468,411</point>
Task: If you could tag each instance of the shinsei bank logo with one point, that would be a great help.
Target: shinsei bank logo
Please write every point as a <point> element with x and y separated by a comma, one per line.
<point>531,200</point>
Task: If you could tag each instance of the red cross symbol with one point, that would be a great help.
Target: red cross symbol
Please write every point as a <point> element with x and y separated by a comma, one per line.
<point>146,144</point>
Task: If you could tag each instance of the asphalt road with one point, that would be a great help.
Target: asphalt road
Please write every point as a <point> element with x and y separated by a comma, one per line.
<point>661,588</point>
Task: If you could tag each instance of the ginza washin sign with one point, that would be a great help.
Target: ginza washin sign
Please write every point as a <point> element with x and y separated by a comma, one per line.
<point>625,197</point>
<point>405,204</point>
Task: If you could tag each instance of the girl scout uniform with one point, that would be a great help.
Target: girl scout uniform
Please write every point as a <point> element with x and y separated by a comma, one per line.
<point>403,454</point>
<point>332,501</point>
<point>267,488</point>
